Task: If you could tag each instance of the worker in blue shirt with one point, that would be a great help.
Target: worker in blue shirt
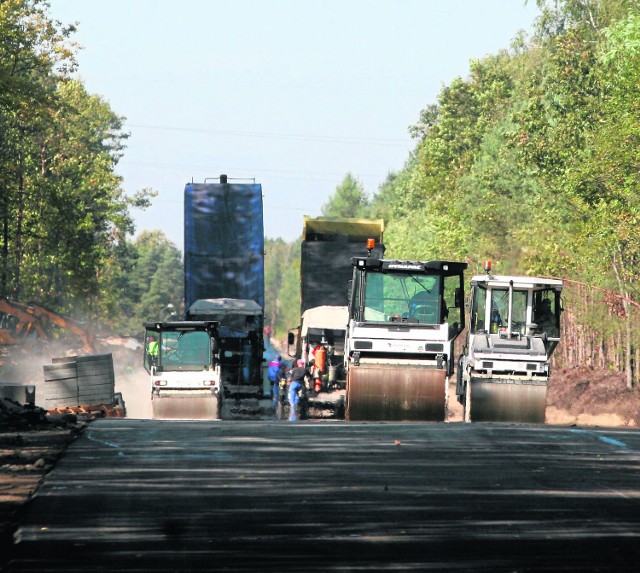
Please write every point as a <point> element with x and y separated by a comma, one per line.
<point>275,372</point>
<point>297,390</point>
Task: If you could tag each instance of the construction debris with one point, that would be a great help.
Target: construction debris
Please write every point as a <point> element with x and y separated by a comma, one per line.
<point>23,417</point>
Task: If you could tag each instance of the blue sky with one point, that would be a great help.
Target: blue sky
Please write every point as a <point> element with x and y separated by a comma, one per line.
<point>293,93</point>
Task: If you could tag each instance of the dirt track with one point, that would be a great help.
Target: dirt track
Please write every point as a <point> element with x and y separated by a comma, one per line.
<point>26,456</point>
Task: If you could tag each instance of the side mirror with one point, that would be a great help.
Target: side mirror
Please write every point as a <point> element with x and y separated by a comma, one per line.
<point>291,338</point>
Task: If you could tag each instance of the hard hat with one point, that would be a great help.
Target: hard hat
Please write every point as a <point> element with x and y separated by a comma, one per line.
<point>300,362</point>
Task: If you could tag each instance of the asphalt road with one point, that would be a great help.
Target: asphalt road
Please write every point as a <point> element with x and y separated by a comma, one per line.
<point>143,495</point>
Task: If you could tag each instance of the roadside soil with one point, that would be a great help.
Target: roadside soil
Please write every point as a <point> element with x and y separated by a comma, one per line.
<point>590,397</point>
<point>30,446</point>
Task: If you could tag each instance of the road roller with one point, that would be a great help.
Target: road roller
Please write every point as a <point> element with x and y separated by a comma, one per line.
<point>182,359</point>
<point>514,328</point>
<point>403,319</point>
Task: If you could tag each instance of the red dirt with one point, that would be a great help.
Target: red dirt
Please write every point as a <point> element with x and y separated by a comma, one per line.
<point>590,397</point>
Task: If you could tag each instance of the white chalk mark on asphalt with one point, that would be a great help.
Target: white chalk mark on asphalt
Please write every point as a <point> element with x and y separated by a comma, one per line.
<point>108,444</point>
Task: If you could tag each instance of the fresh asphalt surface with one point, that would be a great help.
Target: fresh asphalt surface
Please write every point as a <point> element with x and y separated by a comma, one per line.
<point>143,495</point>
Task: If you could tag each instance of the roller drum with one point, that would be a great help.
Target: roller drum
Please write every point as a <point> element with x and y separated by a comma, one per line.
<point>507,401</point>
<point>378,392</point>
<point>186,408</point>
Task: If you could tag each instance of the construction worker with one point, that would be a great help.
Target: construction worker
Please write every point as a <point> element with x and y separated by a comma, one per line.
<point>545,319</point>
<point>319,366</point>
<point>152,347</point>
<point>496,320</point>
<point>423,306</point>
<point>297,398</point>
<point>275,372</point>
<point>152,350</point>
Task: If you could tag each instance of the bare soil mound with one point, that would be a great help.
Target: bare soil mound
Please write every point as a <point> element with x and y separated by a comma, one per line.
<point>591,397</point>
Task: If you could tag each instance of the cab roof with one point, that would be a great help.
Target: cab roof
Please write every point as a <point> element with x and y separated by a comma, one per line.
<point>518,281</point>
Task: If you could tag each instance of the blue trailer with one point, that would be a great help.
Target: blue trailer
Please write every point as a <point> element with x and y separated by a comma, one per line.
<point>223,241</point>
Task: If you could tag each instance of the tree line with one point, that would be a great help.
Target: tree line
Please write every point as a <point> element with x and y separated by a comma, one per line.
<point>531,160</point>
<point>65,222</point>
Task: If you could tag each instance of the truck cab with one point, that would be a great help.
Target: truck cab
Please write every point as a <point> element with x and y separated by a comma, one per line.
<point>403,319</point>
<point>405,309</point>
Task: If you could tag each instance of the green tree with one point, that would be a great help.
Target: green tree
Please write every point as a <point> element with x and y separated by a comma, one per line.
<point>64,219</point>
<point>349,200</point>
<point>154,282</point>
<point>77,210</point>
<point>388,202</point>
<point>34,53</point>
<point>433,212</point>
<point>289,300</point>
<point>278,255</point>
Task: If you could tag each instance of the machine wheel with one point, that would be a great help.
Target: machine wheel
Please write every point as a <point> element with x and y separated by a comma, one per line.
<point>506,401</point>
<point>186,408</point>
<point>388,392</point>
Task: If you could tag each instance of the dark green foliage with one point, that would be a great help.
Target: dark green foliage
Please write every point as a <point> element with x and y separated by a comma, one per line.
<point>282,285</point>
<point>64,220</point>
<point>533,160</point>
<point>62,213</point>
<point>349,200</point>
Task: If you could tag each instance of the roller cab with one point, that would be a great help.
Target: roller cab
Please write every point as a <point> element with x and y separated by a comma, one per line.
<point>403,319</point>
<point>514,328</point>
<point>182,359</point>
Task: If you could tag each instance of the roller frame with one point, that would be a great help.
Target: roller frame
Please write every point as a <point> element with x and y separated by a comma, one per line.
<point>180,395</point>
<point>505,367</point>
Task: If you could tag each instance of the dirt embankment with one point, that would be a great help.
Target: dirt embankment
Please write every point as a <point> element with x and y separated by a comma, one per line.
<point>590,397</point>
<point>31,442</point>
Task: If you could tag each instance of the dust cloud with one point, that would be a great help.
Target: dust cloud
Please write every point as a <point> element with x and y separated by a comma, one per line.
<point>24,364</point>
